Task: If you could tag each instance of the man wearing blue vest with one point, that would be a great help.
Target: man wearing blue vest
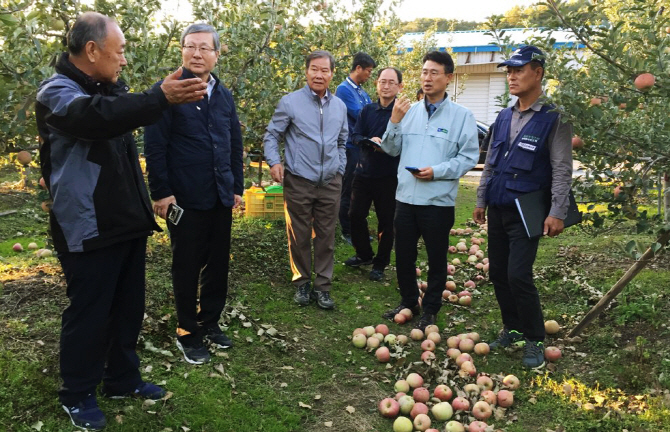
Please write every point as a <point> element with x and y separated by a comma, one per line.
<point>194,159</point>
<point>530,149</point>
<point>355,98</point>
<point>437,143</point>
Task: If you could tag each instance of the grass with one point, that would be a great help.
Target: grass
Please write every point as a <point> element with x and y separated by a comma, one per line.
<point>307,374</point>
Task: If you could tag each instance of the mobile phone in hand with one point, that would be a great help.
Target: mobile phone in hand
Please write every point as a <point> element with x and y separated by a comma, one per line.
<point>413,170</point>
<point>174,213</point>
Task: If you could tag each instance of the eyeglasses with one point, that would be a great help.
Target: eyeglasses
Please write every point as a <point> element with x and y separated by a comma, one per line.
<point>432,73</point>
<point>385,83</point>
<point>192,49</point>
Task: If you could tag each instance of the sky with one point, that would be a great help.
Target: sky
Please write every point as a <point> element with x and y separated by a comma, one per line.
<point>466,10</point>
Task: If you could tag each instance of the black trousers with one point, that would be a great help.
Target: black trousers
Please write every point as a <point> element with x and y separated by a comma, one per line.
<point>433,224</point>
<point>345,198</point>
<point>381,192</point>
<point>511,256</point>
<point>100,326</point>
<point>200,255</point>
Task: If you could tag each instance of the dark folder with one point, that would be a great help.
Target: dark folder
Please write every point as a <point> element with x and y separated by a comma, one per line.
<point>534,208</point>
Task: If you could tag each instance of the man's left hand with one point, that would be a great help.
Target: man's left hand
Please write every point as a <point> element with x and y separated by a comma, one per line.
<point>424,173</point>
<point>553,226</point>
<point>238,201</point>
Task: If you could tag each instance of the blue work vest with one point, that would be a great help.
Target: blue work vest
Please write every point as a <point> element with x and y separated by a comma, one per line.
<point>521,166</point>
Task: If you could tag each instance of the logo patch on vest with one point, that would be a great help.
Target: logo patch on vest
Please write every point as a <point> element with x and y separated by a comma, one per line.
<point>527,146</point>
<point>443,130</point>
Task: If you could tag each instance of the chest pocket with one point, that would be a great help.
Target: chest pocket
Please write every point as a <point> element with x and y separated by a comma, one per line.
<point>496,152</point>
<point>524,156</point>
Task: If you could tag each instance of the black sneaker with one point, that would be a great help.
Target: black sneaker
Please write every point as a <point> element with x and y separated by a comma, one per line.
<point>145,391</point>
<point>425,320</point>
<point>391,313</point>
<point>508,338</point>
<point>193,349</point>
<point>533,354</point>
<point>356,261</point>
<point>86,414</point>
<point>302,294</point>
<point>323,299</point>
<point>347,238</point>
<point>216,337</point>
<point>376,275</point>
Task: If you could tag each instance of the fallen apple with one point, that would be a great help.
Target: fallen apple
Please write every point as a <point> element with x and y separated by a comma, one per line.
<point>421,422</point>
<point>401,386</point>
<point>373,342</point>
<point>482,410</point>
<point>406,404</point>
<point>463,358</point>
<point>414,380</point>
<point>416,334</point>
<point>400,318</point>
<point>469,368</point>
<point>442,411</point>
<point>552,353</point>
<point>428,345</point>
<point>407,312</point>
<point>402,340</point>
<point>489,396</point>
<point>427,356</point>
<point>477,426</point>
<point>471,389</point>
<point>466,345</point>
<point>435,337</point>
<point>451,286</point>
<point>482,348</point>
<point>453,353</point>
<point>421,394</point>
<point>369,331</point>
<point>418,408</point>
<point>505,398</point>
<point>551,327</point>
<point>511,382</point>
<point>432,329</point>
<point>460,404</point>
<point>389,408</point>
<point>454,426</point>
<point>390,339</point>
<point>17,247</point>
<point>403,424</point>
<point>453,341</point>
<point>443,392</point>
<point>485,382</point>
<point>382,328</point>
<point>359,340</point>
<point>383,354</point>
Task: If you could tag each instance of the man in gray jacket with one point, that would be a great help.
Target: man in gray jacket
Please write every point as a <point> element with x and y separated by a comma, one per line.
<point>313,124</point>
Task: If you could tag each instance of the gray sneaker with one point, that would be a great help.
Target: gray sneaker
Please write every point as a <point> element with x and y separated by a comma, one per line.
<point>323,299</point>
<point>302,294</point>
<point>508,338</point>
<point>533,354</point>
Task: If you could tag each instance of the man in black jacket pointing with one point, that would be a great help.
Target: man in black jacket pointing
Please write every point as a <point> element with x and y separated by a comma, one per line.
<point>101,215</point>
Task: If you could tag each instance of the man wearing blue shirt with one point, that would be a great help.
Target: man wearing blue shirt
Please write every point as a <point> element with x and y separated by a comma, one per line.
<point>439,139</point>
<point>355,98</point>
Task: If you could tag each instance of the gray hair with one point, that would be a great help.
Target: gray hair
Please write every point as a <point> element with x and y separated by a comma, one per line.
<point>202,28</point>
<point>89,26</point>
<point>320,54</point>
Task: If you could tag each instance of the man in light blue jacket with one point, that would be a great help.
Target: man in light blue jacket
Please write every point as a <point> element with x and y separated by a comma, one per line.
<point>437,143</point>
<point>313,124</point>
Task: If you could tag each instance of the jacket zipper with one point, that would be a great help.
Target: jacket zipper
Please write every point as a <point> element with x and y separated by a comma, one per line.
<point>323,145</point>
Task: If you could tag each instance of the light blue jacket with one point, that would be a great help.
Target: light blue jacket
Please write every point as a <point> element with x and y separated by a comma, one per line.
<point>447,142</point>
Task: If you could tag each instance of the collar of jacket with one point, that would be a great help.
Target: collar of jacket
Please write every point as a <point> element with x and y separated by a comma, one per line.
<point>425,101</point>
<point>66,67</point>
<point>386,108</point>
<point>186,74</point>
<point>310,93</point>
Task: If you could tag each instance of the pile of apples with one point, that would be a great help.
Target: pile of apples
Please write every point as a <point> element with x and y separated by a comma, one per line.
<point>374,338</point>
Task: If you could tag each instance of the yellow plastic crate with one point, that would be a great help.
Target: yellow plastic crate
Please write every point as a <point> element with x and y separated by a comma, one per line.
<point>260,204</point>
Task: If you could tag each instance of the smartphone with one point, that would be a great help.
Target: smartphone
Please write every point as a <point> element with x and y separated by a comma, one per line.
<point>174,213</point>
<point>413,170</point>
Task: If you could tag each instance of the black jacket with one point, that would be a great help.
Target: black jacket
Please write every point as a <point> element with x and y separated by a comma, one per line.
<point>89,158</point>
<point>194,151</point>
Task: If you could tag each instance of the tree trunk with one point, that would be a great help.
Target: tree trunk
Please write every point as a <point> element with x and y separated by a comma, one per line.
<point>619,286</point>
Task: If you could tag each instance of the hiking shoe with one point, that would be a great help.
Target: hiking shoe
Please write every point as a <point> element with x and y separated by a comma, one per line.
<point>391,313</point>
<point>145,391</point>
<point>193,349</point>
<point>533,354</point>
<point>302,294</point>
<point>356,261</point>
<point>507,338</point>
<point>376,275</point>
<point>323,299</point>
<point>216,337</point>
<point>425,320</point>
<point>86,414</point>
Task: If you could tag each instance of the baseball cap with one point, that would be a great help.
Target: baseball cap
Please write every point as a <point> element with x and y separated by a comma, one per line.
<point>523,55</point>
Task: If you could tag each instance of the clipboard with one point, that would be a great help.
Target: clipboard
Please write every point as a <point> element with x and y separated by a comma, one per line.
<point>534,208</point>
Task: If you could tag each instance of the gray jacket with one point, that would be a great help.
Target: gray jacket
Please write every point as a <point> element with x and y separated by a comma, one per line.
<point>315,135</point>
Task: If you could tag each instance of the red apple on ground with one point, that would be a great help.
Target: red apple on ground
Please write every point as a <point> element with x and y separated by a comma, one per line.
<point>421,394</point>
<point>482,348</point>
<point>453,341</point>
<point>466,345</point>
<point>489,396</point>
<point>389,408</point>
<point>645,81</point>
<point>435,337</point>
<point>453,353</point>
<point>454,426</point>
<point>469,367</point>
<point>399,395</point>
<point>403,424</point>
<point>418,408</point>
<point>373,342</point>
<point>460,404</point>
<point>407,312</point>
<point>511,382</point>
<point>379,336</point>
<point>401,386</point>
<point>416,334</point>
<point>464,293</point>
<point>465,301</point>
<point>451,286</point>
<point>453,298</point>
<point>383,354</point>
<point>505,398</point>
<point>401,340</point>
<point>471,389</point>
<point>481,410</point>
<point>17,247</point>
<point>428,345</point>
<point>421,422</point>
<point>463,358</point>
<point>485,382</point>
<point>382,328</point>
<point>445,294</point>
<point>432,329</point>
<point>468,284</point>
<point>443,392</point>
<point>477,426</point>
<point>427,356</point>
<point>442,411</point>
<point>418,272</point>
<point>552,353</point>
<point>452,249</point>
<point>400,318</point>
<point>474,336</point>
<point>451,269</point>
<point>414,380</point>
<point>360,331</point>
<point>551,327</point>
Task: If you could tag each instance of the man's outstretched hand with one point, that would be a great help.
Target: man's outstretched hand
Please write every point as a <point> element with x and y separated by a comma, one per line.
<point>183,91</point>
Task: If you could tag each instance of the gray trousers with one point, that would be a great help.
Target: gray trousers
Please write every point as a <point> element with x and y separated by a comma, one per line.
<point>311,217</point>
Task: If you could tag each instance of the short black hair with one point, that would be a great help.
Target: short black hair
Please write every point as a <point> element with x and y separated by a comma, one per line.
<point>89,26</point>
<point>397,72</point>
<point>363,60</point>
<point>320,54</point>
<point>442,58</point>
